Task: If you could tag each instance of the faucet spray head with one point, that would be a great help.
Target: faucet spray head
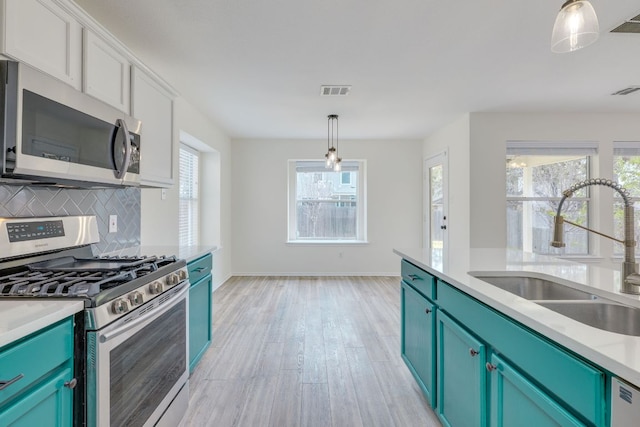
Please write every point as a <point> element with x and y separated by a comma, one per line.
<point>558,232</point>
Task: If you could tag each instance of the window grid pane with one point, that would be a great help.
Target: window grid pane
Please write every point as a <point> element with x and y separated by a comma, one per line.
<point>327,203</point>
<point>535,182</point>
<point>626,172</point>
<point>188,197</point>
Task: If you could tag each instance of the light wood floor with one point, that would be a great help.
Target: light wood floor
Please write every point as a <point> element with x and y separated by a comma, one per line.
<point>306,352</point>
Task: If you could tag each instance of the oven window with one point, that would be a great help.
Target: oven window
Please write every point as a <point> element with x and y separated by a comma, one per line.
<point>146,366</point>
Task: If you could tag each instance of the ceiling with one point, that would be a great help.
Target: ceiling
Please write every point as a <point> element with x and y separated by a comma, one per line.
<point>256,67</point>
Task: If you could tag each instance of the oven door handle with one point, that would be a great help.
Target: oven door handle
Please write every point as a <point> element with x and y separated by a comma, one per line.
<point>166,306</point>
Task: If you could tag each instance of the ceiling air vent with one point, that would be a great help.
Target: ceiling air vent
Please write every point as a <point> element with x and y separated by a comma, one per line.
<point>627,90</point>
<point>630,26</point>
<point>335,90</point>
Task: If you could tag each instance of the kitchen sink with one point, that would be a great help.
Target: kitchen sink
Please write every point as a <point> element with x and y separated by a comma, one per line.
<point>610,317</point>
<point>534,288</point>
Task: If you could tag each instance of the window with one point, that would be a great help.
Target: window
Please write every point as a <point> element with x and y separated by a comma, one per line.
<point>626,172</point>
<point>189,208</point>
<point>326,206</point>
<point>536,175</point>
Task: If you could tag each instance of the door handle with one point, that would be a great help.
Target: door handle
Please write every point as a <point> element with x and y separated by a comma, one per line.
<point>121,169</point>
<point>5,384</point>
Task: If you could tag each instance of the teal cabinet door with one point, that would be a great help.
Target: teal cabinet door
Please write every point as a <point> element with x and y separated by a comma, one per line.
<point>51,404</point>
<point>418,339</point>
<point>199,319</point>
<point>515,401</point>
<point>462,393</point>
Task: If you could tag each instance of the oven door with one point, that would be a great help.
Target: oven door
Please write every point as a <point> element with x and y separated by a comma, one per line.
<point>137,365</point>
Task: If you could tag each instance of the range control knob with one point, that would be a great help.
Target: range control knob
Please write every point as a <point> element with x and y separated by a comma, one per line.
<point>155,287</point>
<point>119,306</point>
<point>135,298</point>
<point>182,274</point>
<point>172,279</point>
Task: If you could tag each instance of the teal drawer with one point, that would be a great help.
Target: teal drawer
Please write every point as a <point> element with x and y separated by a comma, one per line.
<point>199,268</point>
<point>34,357</point>
<point>572,381</point>
<point>422,281</point>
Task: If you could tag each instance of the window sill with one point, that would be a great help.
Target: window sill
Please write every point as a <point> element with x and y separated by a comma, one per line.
<point>581,258</point>
<point>327,242</point>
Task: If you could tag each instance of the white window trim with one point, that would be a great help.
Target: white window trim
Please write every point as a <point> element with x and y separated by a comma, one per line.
<point>362,209</point>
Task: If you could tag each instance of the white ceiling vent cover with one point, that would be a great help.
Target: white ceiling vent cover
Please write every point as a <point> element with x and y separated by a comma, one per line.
<point>627,90</point>
<point>335,90</point>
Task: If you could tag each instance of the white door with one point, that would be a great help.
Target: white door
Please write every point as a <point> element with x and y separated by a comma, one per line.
<point>436,210</point>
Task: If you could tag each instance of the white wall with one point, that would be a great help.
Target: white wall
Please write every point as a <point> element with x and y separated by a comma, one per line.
<point>454,139</point>
<point>159,218</point>
<point>491,131</point>
<point>259,200</point>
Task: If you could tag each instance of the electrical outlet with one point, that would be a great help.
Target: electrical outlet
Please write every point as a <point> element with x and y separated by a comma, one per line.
<point>113,223</point>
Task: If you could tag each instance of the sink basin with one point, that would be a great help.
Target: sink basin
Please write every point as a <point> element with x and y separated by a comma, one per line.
<point>607,316</point>
<point>533,288</point>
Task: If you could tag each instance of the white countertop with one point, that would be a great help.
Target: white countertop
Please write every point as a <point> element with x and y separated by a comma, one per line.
<point>619,354</point>
<point>19,318</point>
<point>188,253</point>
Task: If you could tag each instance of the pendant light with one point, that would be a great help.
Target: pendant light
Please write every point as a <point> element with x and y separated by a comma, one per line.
<point>332,159</point>
<point>576,27</point>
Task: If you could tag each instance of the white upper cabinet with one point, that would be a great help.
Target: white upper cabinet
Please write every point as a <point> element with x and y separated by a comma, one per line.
<point>153,105</point>
<point>106,72</point>
<point>43,35</point>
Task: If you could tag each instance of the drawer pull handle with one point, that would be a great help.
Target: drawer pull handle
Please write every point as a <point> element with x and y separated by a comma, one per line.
<point>198,270</point>
<point>71,384</point>
<point>473,352</point>
<point>491,367</point>
<point>5,384</point>
<point>414,277</point>
<point>427,310</point>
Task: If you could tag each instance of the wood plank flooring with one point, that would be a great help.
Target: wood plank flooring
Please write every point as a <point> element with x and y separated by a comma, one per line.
<point>306,351</point>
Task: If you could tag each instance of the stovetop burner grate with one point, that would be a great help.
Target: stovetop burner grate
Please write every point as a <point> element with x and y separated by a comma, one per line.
<point>65,279</point>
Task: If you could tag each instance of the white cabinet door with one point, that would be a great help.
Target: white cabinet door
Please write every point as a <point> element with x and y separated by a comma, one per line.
<point>153,105</point>
<point>106,72</point>
<point>44,36</point>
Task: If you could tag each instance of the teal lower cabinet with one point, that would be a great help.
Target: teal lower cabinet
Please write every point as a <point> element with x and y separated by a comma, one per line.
<point>417,338</point>
<point>36,379</point>
<point>488,369</point>
<point>461,376</point>
<point>516,401</point>
<point>200,308</point>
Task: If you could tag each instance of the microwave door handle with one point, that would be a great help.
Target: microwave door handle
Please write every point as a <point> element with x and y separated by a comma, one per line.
<point>121,170</point>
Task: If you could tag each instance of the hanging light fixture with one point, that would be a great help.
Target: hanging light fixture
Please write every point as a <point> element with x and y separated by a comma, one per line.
<point>332,159</point>
<point>576,27</point>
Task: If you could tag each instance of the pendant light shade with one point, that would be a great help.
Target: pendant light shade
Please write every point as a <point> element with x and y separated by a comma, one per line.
<point>576,27</point>
<point>332,159</point>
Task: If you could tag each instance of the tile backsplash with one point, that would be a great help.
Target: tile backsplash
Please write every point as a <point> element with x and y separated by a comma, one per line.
<point>30,201</point>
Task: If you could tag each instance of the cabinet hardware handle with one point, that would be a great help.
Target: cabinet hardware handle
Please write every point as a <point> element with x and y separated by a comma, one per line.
<point>71,384</point>
<point>427,310</point>
<point>5,384</point>
<point>414,277</point>
<point>443,227</point>
<point>198,270</point>
<point>473,352</point>
<point>491,367</point>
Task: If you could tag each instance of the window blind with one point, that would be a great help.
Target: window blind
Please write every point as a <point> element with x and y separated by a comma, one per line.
<point>188,205</point>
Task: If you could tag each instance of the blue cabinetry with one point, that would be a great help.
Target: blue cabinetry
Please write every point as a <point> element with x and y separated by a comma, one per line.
<point>36,379</point>
<point>489,369</point>
<point>200,308</point>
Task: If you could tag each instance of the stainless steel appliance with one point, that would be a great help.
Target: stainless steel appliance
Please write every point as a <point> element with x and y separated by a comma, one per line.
<point>132,338</point>
<point>56,134</point>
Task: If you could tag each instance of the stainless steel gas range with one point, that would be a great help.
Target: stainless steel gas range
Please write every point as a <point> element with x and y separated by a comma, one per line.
<point>131,339</point>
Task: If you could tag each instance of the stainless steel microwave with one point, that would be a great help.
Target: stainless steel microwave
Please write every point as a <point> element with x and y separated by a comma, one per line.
<point>55,134</point>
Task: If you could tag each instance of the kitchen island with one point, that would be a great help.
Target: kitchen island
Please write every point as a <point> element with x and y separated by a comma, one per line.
<point>494,324</point>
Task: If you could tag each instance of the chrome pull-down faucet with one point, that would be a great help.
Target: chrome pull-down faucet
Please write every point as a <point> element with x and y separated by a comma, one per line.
<point>630,279</point>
